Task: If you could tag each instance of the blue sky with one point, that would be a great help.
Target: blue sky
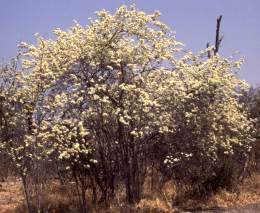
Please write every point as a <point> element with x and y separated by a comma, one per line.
<point>193,20</point>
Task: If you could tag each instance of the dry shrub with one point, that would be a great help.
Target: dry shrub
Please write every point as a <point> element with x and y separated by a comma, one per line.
<point>249,192</point>
<point>54,198</point>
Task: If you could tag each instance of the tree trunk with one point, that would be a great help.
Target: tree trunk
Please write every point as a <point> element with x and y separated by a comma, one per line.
<point>29,206</point>
<point>132,183</point>
<point>83,199</point>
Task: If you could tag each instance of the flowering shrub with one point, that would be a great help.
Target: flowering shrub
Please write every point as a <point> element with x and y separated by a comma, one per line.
<point>110,100</point>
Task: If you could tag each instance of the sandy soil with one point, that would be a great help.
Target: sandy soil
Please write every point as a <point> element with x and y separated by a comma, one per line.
<point>10,195</point>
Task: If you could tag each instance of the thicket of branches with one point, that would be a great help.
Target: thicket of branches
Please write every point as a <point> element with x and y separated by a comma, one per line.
<point>116,102</point>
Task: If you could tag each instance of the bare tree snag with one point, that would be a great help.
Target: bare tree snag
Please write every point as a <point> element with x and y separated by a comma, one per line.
<point>209,54</point>
<point>218,38</point>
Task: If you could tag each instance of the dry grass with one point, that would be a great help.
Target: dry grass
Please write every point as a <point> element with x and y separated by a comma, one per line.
<point>57,198</point>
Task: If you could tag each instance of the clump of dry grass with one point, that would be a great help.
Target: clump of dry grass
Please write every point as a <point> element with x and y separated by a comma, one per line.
<point>154,205</point>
